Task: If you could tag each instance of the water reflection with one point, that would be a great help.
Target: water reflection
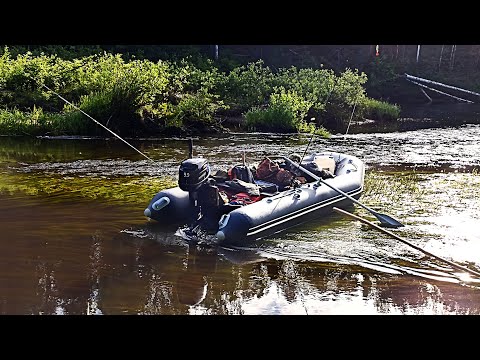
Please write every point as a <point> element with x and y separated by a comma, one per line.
<point>63,251</point>
<point>187,279</point>
<point>149,270</point>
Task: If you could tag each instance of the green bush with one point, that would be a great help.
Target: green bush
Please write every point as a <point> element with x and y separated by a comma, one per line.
<point>380,110</point>
<point>123,94</point>
<point>285,112</point>
<point>347,92</point>
<point>246,86</point>
<point>16,122</point>
<point>196,110</point>
<point>315,85</point>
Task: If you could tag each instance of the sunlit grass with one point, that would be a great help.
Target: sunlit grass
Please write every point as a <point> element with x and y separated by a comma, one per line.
<point>412,192</point>
<point>454,190</point>
<point>383,188</point>
<point>381,110</point>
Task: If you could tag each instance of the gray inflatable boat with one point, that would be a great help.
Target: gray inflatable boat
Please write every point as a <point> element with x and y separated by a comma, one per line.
<point>276,209</point>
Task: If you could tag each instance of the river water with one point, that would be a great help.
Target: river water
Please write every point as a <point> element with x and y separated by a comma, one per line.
<point>74,239</point>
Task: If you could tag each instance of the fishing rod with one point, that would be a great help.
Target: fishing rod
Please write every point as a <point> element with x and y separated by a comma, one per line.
<point>312,119</point>
<point>351,116</point>
<point>97,122</point>
<point>314,131</point>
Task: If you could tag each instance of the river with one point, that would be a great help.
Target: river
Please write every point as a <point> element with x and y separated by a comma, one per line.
<point>74,239</point>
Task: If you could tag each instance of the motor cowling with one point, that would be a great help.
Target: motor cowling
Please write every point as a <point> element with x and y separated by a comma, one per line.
<point>192,174</point>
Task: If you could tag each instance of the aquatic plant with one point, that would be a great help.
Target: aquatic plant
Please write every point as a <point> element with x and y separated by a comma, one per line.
<point>131,190</point>
<point>389,189</point>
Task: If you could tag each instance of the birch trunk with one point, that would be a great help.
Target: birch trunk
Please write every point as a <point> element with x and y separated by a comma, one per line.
<point>440,60</point>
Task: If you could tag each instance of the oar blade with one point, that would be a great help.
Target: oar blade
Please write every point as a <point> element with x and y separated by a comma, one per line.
<point>388,221</point>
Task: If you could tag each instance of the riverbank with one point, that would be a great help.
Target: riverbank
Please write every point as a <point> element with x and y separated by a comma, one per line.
<point>423,116</point>
<point>413,116</point>
<point>135,98</point>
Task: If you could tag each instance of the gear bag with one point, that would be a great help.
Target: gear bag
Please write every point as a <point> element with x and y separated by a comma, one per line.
<point>241,172</point>
<point>269,170</point>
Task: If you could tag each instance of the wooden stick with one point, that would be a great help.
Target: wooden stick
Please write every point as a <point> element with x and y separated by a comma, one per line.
<point>405,241</point>
<point>424,93</point>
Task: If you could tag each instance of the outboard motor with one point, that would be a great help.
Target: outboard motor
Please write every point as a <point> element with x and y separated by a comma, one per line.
<point>194,177</point>
<point>192,174</point>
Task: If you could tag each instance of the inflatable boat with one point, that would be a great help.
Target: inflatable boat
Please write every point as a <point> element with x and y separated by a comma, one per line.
<point>249,203</point>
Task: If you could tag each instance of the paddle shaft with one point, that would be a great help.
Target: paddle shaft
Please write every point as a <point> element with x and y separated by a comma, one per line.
<point>405,241</point>
<point>384,219</point>
<point>326,183</point>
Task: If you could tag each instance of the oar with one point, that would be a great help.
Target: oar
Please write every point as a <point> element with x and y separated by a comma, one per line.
<point>386,220</point>
<point>405,241</point>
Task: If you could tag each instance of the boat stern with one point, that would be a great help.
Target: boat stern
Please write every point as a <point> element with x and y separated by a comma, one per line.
<point>170,205</point>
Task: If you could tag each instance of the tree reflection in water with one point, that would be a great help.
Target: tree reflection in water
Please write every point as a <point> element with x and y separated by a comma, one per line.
<point>162,275</point>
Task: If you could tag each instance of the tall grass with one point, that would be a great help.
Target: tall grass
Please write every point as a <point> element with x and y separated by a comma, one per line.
<point>380,110</point>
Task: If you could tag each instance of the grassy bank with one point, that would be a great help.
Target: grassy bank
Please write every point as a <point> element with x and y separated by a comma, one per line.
<point>142,98</point>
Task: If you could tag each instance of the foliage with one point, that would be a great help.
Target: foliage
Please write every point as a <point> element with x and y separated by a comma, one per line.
<point>347,92</point>
<point>315,85</point>
<point>134,96</point>
<point>193,107</point>
<point>380,71</point>
<point>246,86</point>
<point>67,52</point>
<point>379,110</point>
<point>15,122</point>
<point>285,113</point>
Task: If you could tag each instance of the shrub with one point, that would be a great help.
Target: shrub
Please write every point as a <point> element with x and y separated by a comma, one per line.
<point>285,112</point>
<point>196,110</point>
<point>314,85</point>
<point>246,86</point>
<point>121,93</point>
<point>380,110</point>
